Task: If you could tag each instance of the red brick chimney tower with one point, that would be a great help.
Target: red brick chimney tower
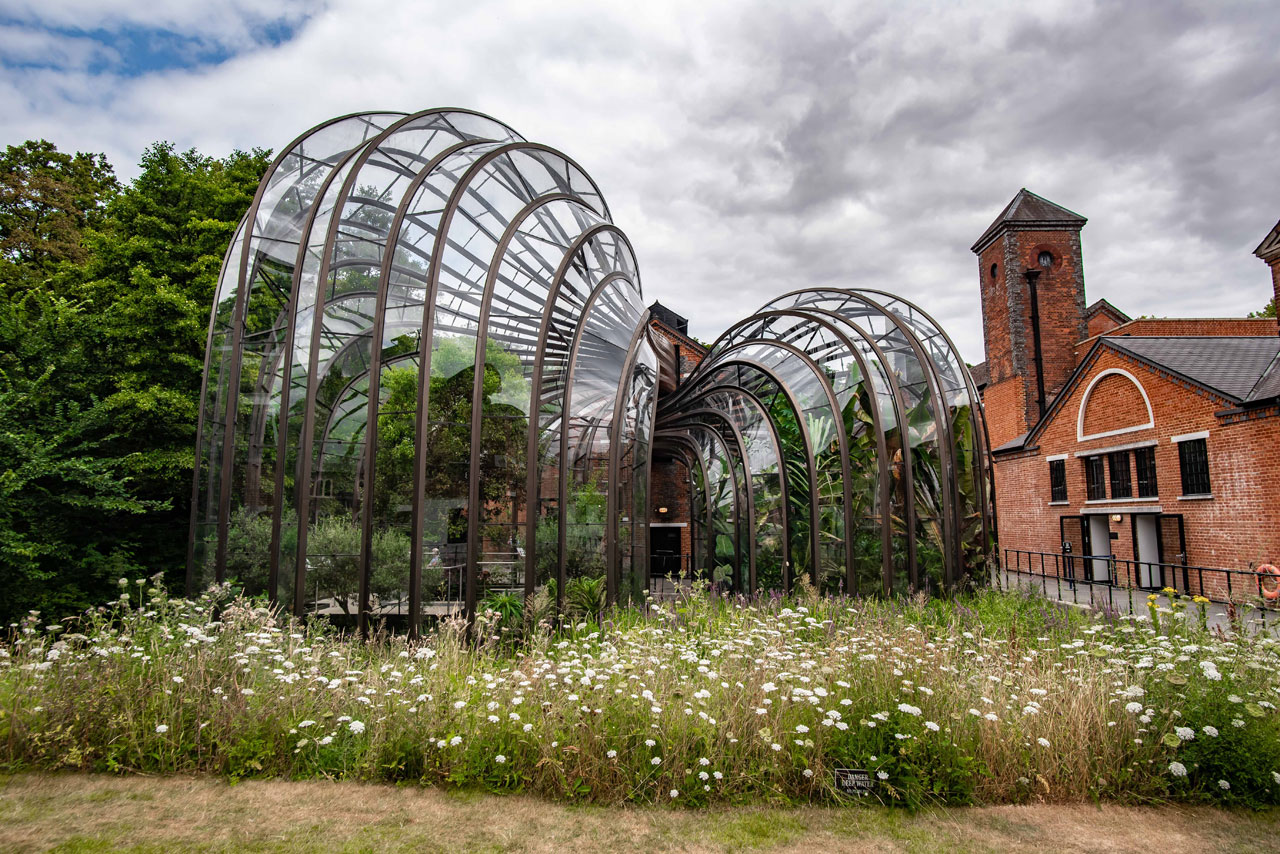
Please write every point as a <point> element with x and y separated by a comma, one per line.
<point>1269,250</point>
<point>1033,309</point>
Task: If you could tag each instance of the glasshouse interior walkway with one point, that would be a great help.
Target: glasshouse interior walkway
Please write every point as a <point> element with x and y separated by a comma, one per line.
<point>431,378</point>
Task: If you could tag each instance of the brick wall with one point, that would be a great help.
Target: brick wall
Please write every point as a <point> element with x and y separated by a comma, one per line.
<point>1007,321</point>
<point>1238,526</point>
<point>1196,326</point>
<point>1101,322</point>
<point>1004,404</point>
<point>691,352</point>
<point>1115,402</point>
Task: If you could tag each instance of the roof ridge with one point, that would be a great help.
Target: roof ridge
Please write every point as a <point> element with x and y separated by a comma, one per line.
<point>1102,303</point>
<point>1270,244</point>
<point>1045,213</point>
<point>687,337</point>
<point>1273,368</point>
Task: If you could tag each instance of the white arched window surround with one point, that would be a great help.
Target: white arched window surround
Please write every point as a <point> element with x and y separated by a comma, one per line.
<point>1084,405</point>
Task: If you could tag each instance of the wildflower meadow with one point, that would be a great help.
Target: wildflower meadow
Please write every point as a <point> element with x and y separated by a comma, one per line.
<point>985,698</point>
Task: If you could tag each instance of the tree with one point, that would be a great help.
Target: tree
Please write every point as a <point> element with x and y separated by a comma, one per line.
<point>47,201</point>
<point>65,501</point>
<point>150,277</point>
<point>1268,310</point>
<point>104,302</point>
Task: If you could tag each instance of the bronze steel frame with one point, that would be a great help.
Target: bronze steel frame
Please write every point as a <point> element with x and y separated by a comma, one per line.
<point>950,492</point>
<point>741,489</point>
<point>237,336</point>
<point>532,493</point>
<point>983,476</point>
<point>771,428</point>
<point>837,415</point>
<point>684,437</point>
<point>785,391</point>
<point>831,316</point>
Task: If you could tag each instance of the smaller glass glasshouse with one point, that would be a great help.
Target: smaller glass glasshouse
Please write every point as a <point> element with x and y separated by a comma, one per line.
<point>431,377</point>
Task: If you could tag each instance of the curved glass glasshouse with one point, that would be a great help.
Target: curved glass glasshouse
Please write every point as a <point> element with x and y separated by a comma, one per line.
<point>431,377</point>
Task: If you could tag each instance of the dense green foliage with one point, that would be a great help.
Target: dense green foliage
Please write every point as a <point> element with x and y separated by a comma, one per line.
<point>104,305</point>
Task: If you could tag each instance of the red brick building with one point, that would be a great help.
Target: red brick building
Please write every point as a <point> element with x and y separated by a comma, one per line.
<point>1155,441</point>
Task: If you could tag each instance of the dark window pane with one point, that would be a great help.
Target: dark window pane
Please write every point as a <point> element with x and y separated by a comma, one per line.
<point>1193,457</point>
<point>1145,459</point>
<point>1121,485</point>
<point>1058,480</point>
<point>1095,478</point>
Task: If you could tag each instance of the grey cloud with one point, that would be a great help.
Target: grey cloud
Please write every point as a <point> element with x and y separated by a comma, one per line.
<point>749,148</point>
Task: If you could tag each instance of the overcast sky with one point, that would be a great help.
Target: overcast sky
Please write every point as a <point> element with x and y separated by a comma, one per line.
<point>747,148</point>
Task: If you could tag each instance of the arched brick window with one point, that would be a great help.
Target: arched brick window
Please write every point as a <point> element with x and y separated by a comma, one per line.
<point>1114,402</point>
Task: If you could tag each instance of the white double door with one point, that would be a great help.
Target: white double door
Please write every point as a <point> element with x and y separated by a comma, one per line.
<point>1146,547</point>
<point>1100,547</point>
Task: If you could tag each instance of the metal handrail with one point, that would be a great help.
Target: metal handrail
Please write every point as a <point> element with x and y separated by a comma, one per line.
<point>1219,585</point>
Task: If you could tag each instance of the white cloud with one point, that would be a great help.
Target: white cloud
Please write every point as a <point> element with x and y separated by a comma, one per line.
<point>27,46</point>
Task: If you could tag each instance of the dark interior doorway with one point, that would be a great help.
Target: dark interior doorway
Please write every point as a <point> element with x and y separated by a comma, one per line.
<point>664,554</point>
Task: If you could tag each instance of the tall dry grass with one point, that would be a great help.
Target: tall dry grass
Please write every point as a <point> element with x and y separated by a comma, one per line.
<point>992,698</point>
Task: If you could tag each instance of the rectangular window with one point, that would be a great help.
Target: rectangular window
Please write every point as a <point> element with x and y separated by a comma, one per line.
<point>1193,457</point>
<point>1057,480</point>
<point>1145,460</point>
<point>1121,484</point>
<point>1095,478</point>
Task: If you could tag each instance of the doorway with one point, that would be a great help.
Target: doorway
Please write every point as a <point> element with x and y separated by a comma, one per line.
<point>1146,548</point>
<point>664,550</point>
<point>1100,546</point>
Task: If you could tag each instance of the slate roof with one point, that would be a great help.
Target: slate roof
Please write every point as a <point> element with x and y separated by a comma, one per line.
<point>1242,369</point>
<point>1012,445</point>
<point>1029,210</point>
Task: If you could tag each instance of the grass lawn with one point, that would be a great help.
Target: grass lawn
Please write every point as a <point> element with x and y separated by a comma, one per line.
<point>82,812</point>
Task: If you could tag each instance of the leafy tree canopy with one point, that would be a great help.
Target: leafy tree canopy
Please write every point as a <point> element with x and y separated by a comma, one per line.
<point>47,201</point>
<point>104,300</point>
